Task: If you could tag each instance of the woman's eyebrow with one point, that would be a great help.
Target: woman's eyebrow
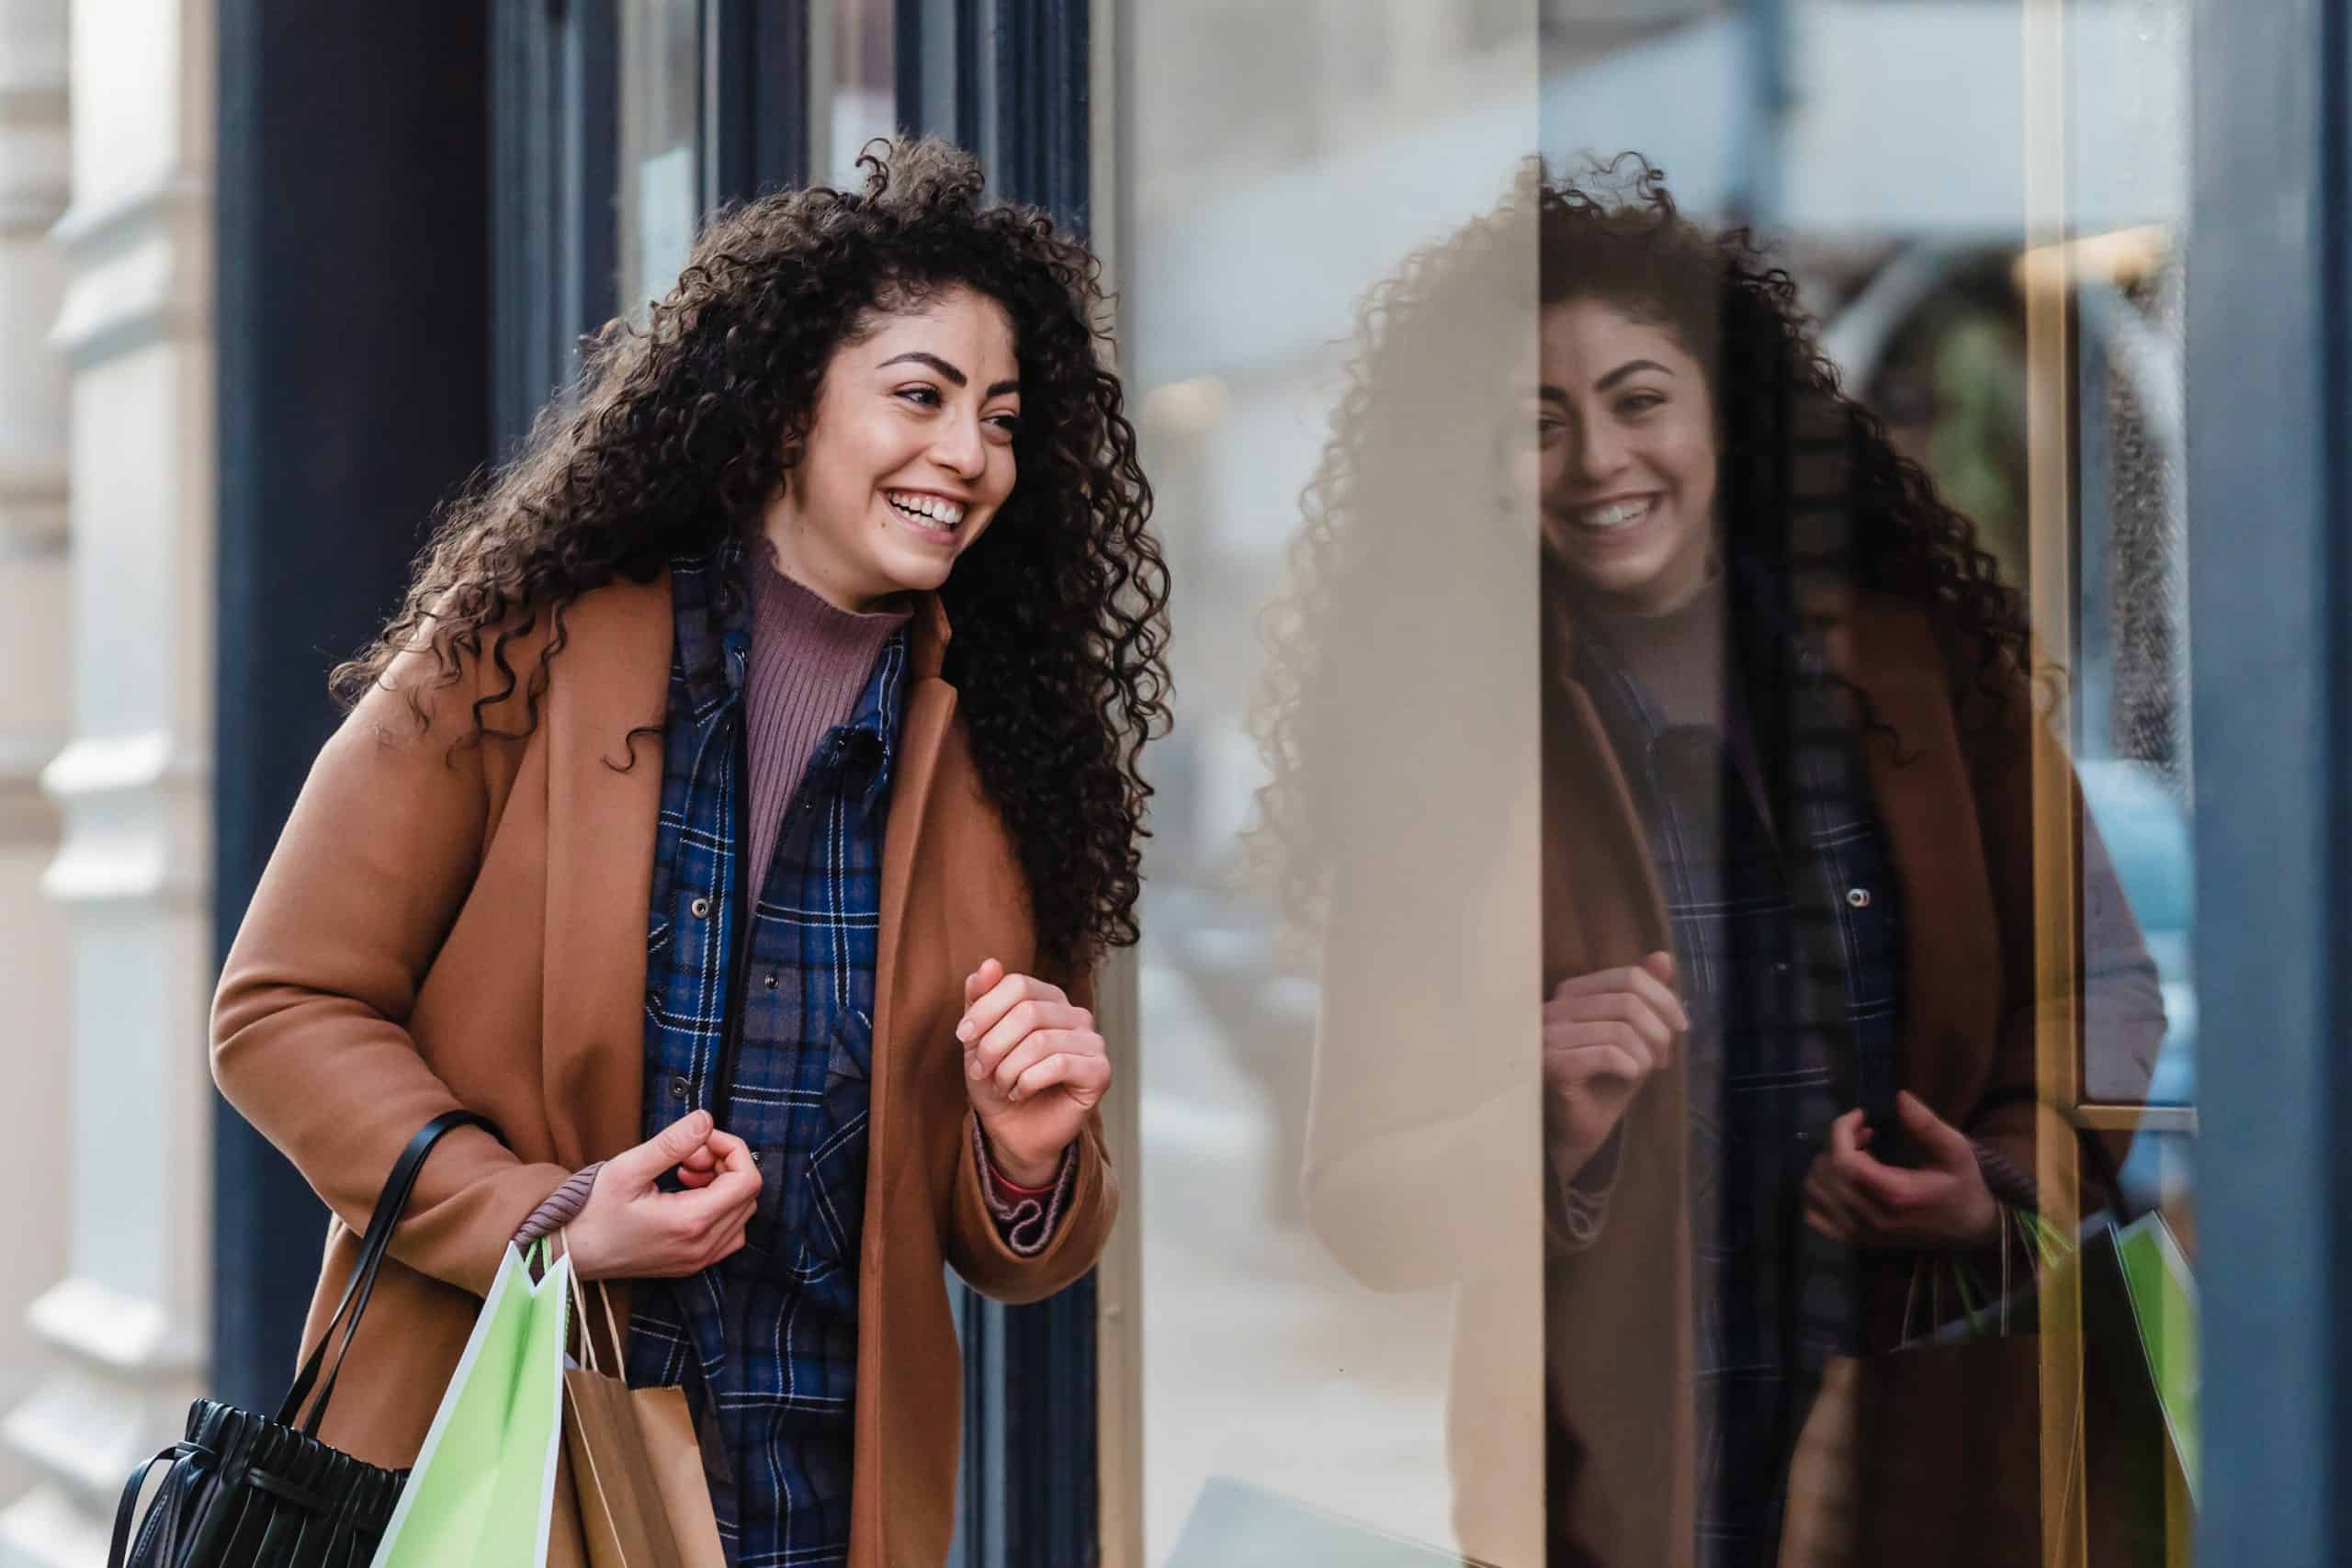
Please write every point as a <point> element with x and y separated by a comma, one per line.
<point>917,356</point>
<point>1628,368</point>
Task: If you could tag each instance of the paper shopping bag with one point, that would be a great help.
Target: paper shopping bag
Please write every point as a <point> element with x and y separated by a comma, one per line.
<point>482,1492</point>
<point>635,1465</point>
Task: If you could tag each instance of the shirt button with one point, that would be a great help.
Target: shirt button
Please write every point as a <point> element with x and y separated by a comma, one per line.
<point>758,1158</point>
<point>1859,897</point>
<point>701,908</point>
<point>770,982</point>
<point>677,1086</point>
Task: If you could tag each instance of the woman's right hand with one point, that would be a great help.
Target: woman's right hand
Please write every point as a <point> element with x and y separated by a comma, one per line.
<point>1604,1033</point>
<point>631,1229</point>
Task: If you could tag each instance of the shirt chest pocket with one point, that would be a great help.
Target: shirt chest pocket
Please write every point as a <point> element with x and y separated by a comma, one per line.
<point>834,1173</point>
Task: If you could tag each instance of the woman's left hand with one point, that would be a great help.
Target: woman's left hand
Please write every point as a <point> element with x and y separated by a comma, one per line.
<point>1034,1067</point>
<point>1941,1203</point>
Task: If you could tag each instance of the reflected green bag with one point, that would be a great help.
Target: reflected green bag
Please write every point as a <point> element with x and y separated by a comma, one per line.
<point>482,1492</point>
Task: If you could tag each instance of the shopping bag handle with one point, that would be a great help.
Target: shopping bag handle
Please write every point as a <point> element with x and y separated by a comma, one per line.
<point>587,1331</point>
<point>375,1243</point>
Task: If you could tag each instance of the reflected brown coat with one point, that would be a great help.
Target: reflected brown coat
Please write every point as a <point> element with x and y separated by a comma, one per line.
<point>440,929</point>
<point>1420,1173</point>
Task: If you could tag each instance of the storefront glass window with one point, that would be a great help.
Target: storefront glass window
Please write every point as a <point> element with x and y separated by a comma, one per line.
<point>660,177</point>
<point>1916,816</point>
<point>853,98</point>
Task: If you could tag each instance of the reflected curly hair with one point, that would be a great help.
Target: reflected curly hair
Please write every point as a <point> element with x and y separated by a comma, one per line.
<point>683,431</point>
<point>1792,441</point>
<point>1810,487</point>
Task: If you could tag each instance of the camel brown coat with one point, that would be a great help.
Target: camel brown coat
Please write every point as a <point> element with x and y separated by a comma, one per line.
<point>1424,1149</point>
<point>441,929</point>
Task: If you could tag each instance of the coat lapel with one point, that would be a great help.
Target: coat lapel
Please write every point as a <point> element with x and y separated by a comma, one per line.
<point>1925,802</point>
<point>612,677</point>
<point>907,903</point>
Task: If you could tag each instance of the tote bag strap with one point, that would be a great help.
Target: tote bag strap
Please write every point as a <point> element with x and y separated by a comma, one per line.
<point>374,1246</point>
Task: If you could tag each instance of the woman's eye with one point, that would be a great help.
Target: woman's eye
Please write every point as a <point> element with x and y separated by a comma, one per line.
<point>927,396</point>
<point>1008,422</point>
<point>1641,402</point>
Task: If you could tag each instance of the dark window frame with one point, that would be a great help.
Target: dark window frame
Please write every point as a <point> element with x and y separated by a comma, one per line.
<point>2269,394</point>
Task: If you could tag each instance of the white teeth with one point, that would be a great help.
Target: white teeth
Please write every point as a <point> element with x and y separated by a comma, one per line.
<point>1616,515</point>
<point>930,508</point>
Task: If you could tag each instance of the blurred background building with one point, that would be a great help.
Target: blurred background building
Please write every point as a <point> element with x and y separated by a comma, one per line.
<point>276,278</point>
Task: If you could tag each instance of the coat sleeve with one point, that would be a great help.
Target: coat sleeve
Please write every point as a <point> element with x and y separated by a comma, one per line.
<point>310,1025</point>
<point>976,1246</point>
<point>2113,986</point>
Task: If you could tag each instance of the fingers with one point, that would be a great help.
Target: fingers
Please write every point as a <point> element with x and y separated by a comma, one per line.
<point>1846,1135</point>
<point>1893,1196</point>
<point>1944,1144</point>
<point>725,1204</point>
<point>988,1009</point>
<point>1658,1028</point>
<point>985,1054</point>
<point>980,981</point>
<point>1826,1212</point>
<point>1636,980</point>
<point>670,1146</point>
<point>1084,1077</point>
<point>1036,1047</point>
<point>1575,1065</point>
<point>1660,966</point>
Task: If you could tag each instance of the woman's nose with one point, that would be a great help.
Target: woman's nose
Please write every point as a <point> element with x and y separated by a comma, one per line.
<point>1599,452</point>
<point>961,449</point>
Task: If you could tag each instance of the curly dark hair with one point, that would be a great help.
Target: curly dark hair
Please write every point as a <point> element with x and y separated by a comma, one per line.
<point>1810,490</point>
<point>1792,441</point>
<point>683,430</point>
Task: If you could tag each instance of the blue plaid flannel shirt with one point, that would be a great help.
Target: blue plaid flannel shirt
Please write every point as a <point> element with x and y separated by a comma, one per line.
<point>766,1342</point>
<point>1790,953</point>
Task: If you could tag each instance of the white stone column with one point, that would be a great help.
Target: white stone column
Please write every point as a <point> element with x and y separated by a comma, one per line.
<point>126,1325</point>
<point>35,698</point>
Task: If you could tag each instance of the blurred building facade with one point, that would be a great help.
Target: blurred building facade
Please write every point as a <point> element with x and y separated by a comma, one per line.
<point>107,501</point>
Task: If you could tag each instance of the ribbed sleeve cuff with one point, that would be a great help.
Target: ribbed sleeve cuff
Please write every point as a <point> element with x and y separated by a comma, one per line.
<point>561,1206</point>
<point>1024,1216</point>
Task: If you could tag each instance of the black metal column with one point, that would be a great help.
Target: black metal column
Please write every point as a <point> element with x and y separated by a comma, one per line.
<point>2269,399</point>
<point>354,326</point>
<point>1009,80</point>
<point>755,97</point>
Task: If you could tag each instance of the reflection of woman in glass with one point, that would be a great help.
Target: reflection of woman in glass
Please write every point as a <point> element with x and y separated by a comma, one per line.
<point>1789,940</point>
<point>670,831</point>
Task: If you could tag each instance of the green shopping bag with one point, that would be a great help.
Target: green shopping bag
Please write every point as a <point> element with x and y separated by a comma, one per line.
<point>482,1492</point>
<point>2162,1293</point>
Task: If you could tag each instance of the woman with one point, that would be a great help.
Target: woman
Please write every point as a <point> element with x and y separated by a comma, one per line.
<point>670,830</point>
<point>1784,823</point>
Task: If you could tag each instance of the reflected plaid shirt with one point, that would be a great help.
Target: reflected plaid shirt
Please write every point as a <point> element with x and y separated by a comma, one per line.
<point>769,1336</point>
<point>1790,955</point>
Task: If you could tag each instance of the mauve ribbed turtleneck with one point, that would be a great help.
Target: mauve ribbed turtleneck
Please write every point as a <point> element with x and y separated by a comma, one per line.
<point>810,665</point>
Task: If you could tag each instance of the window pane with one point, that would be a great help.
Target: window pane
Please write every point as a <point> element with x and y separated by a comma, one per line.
<point>1378,1271</point>
<point>1312,1024</point>
<point>660,168</point>
<point>854,97</point>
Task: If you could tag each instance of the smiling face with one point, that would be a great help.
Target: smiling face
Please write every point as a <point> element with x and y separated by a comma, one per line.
<point>909,455</point>
<point>1627,456</point>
